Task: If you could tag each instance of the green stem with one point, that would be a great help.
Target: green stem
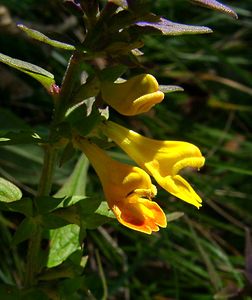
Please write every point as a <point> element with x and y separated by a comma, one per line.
<point>32,258</point>
<point>50,158</point>
<point>44,189</point>
<point>46,178</point>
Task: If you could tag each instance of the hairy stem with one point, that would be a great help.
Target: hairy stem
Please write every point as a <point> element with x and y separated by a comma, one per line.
<point>32,265</point>
<point>46,178</point>
<point>50,158</point>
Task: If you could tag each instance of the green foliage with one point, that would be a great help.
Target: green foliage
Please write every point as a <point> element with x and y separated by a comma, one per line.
<point>24,231</point>
<point>8,191</point>
<point>63,242</point>
<point>43,76</point>
<point>43,38</point>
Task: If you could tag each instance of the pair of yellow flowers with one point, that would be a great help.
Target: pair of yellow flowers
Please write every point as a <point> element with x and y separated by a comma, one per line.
<point>128,189</point>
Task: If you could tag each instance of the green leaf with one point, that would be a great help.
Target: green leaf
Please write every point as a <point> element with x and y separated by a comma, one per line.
<point>8,191</point>
<point>166,27</point>
<point>104,210</point>
<point>24,231</point>
<point>94,221</point>
<point>44,77</point>
<point>102,215</point>
<point>68,215</point>
<point>23,206</point>
<point>43,38</point>
<point>216,5</point>
<point>51,221</point>
<point>76,183</point>
<point>63,242</point>
<point>89,206</point>
<point>47,204</point>
<point>88,213</point>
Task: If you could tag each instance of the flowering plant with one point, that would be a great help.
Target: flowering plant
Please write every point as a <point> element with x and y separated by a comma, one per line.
<point>113,31</point>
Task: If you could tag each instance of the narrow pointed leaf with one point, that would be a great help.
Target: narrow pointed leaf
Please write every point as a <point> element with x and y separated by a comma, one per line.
<point>170,88</point>
<point>45,39</point>
<point>216,5</point>
<point>167,27</point>
<point>76,183</point>
<point>44,77</point>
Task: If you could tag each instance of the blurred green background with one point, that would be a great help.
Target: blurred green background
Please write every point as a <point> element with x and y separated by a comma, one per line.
<point>205,254</point>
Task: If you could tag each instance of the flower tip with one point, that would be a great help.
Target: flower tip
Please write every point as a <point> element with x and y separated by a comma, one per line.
<point>199,205</point>
<point>151,81</point>
<point>134,96</point>
<point>203,160</point>
<point>144,103</point>
<point>164,223</point>
<point>192,162</point>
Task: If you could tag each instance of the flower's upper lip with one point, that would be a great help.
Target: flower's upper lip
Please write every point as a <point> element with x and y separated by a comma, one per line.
<point>193,162</point>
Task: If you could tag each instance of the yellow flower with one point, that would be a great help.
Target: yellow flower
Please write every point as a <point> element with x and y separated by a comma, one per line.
<point>128,190</point>
<point>162,159</point>
<point>134,96</point>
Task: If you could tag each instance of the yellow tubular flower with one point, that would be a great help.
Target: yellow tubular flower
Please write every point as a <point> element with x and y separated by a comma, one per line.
<point>162,159</point>
<point>128,190</point>
<point>134,96</point>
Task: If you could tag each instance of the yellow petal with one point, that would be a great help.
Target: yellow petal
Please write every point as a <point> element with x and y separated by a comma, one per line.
<point>144,215</point>
<point>134,96</point>
<point>126,188</point>
<point>161,159</point>
<point>181,189</point>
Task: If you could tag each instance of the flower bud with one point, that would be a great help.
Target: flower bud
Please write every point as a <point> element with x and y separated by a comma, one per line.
<point>134,96</point>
